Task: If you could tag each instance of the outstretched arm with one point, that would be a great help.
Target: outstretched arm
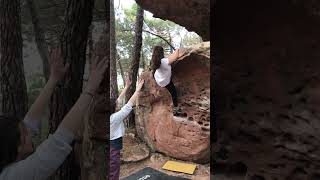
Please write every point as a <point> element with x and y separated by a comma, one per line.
<point>173,57</point>
<point>57,72</point>
<point>125,111</point>
<point>124,91</point>
<point>176,55</point>
<point>53,151</point>
<point>133,98</point>
<point>73,120</point>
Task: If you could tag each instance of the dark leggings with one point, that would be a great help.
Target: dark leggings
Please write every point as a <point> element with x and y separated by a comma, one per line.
<point>114,163</point>
<point>172,89</point>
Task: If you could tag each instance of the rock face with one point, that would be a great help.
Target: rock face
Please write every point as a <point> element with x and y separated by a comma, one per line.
<point>267,86</point>
<point>185,136</point>
<point>133,150</point>
<point>194,15</point>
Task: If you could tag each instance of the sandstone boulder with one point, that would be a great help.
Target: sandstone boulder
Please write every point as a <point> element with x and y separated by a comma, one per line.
<point>187,135</point>
<point>133,150</point>
<point>194,15</point>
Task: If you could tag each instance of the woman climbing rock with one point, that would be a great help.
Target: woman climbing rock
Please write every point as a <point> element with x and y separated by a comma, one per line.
<point>161,68</point>
<point>117,129</point>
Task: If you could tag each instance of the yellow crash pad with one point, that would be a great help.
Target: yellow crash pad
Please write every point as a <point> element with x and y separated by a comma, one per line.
<point>179,167</point>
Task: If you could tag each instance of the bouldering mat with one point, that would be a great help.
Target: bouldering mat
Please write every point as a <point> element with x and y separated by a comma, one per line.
<point>151,174</point>
<point>180,167</point>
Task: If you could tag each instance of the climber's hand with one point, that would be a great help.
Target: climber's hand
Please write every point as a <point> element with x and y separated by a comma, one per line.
<point>97,73</point>
<point>128,82</point>
<point>139,85</point>
<point>57,68</point>
<point>182,52</point>
<point>174,56</point>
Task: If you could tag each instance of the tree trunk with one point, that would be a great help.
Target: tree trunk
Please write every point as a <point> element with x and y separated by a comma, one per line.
<point>90,44</point>
<point>121,72</point>
<point>40,38</point>
<point>13,88</point>
<point>95,151</point>
<point>74,40</point>
<point>136,57</point>
<point>143,63</point>
<point>96,131</point>
<point>113,53</point>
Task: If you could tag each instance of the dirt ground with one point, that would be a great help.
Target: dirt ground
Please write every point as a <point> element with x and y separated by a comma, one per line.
<point>135,157</point>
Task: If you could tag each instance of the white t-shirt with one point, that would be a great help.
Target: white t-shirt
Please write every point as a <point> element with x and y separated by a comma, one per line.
<point>163,73</point>
<point>47,158</point>
<point>117,129</point>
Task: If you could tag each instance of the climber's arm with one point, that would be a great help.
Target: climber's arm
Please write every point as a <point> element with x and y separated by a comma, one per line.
<point>176,55</point>
<point>33,117</point>
<point>122,114</point>
<point>73,120</point>
<point>47,158</point>
<point>173,57</point>
<point>54,150</point>
<point>125,110</point>
<point>124,91</point>
<point>57,69</point>
<point>133,98</point>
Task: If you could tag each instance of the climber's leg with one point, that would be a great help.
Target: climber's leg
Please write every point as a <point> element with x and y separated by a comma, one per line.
<point>172,89</point>
<point>114,163</point>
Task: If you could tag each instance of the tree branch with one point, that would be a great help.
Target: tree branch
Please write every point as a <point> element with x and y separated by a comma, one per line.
<point>161,38</point>
<point>154,35</point>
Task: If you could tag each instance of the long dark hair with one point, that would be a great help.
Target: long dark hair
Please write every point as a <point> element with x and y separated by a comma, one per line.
<point>10,139</point>
<point>157,55</point>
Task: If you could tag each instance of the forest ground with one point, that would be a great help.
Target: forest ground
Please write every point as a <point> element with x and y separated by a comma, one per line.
<point>154,160</point>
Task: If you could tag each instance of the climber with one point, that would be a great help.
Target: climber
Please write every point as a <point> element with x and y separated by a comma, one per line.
<point>121,99</point>
<point>117,129</point>
<point>18,160</point>
<point>161,68</point>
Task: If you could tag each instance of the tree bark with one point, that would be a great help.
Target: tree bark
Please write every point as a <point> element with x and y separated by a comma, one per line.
<point>94,165</point>
<point>40,38</point>
<point>121,72</point>
<point>73,45</point>
<point>135,57</point>
<point>13,88</point>
<point>90,44</point>
<point>95,150</point>
<point>143,63</point>
<point>113,53</point>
